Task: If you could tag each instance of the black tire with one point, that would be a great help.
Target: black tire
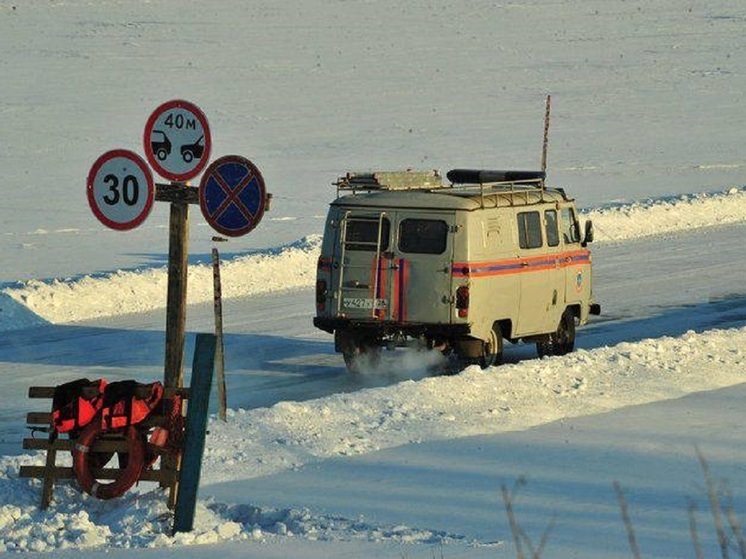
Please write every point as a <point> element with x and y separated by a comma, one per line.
<point>362,357</point>
<point>492,355</point>
<point>562,341</point>
<point>360,352</point>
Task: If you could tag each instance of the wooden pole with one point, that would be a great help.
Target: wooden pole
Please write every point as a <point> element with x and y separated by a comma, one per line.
<point>219,355</point>
<point>177,291</point>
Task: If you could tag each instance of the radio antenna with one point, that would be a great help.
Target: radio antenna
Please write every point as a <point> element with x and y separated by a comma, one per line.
<point>546,136</point>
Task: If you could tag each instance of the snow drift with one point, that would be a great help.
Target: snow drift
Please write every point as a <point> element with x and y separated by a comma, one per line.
<point>294,265</point>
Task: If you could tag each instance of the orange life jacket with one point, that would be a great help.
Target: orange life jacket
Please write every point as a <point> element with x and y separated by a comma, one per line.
<point>121,406</point>
<point>76,403</point>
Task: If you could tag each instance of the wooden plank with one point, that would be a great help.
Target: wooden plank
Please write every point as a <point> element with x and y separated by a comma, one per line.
<point>195,432</point>
<point>48,392</point>
<point>45,418</point>
<point>176,192</point>
<point>66,472</point>
<point>66,445</point>
<point>39,418</point>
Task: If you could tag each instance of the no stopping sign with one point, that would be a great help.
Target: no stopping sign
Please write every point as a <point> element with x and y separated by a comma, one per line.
<point>232,195</point>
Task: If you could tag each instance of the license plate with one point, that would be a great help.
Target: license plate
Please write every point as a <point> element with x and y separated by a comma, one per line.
<point>361,303</point>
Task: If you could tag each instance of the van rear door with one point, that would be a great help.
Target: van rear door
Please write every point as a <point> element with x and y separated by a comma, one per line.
<point>360,279</point>
<point>420,267</point>
<point>394,266</point>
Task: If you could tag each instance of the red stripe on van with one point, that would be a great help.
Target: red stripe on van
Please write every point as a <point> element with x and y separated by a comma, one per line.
<point>399,291</point>
<point>520,265</point>
<point>380,277</point>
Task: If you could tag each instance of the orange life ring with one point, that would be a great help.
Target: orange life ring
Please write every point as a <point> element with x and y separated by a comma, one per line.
<point>130,471</point>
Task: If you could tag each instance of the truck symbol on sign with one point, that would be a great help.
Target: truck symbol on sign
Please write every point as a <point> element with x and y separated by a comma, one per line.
<point>193,151</point>
<point>161,146</point>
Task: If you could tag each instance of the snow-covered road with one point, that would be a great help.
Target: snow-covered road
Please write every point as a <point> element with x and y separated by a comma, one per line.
<point>646,132</point>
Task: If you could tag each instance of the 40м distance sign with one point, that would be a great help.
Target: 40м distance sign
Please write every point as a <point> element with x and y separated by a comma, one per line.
<point>232,195</point>
<point>120,189</point>
<point>177,140</point>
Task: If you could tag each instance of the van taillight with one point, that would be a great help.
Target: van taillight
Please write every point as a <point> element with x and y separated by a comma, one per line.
<point>462,301</point>
<point>321,292</point>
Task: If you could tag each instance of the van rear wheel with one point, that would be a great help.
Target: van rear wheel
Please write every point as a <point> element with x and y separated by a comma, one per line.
<point>362,357</point>
<point>562,341</point>
<point>359,351</point>
<point>492,354</point>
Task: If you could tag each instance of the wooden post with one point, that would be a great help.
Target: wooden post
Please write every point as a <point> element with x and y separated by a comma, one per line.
<point>179,196</point>
<point>195,432</point>
<point>49,479</point>
<point>177,290</point>
<point>219,356</point>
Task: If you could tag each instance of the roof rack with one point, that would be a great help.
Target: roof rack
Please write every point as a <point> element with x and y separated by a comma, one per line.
<point>461,182</point>
<point>390,180</point>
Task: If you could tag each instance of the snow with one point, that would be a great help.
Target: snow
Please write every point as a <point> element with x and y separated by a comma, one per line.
<point>647,133</point>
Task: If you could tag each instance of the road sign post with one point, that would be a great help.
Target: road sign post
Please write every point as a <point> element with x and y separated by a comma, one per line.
<point>177,143</point>
<point>233,199</point>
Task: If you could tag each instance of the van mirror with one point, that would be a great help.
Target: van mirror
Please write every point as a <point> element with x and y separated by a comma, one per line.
<point>588,232</point>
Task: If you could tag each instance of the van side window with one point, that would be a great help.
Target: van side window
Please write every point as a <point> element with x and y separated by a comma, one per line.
<point>550,220</point>
<point>570,229</point>
<point>423,236</point>
<point>529,230</point>
<point>362,234</point>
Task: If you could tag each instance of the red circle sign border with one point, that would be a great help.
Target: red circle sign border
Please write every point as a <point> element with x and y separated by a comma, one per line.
<point>202,189</point>
<point>132,156</point>
<point>191,107</point>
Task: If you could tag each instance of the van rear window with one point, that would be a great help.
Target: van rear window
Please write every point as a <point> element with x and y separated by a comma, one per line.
<point>362,234</point>
<point>423,236</point>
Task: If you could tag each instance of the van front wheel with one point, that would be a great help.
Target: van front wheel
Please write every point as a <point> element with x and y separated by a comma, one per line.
<point>562,341</point>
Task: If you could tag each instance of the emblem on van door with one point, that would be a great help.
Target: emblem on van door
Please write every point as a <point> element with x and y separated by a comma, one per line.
<point>579,281</point>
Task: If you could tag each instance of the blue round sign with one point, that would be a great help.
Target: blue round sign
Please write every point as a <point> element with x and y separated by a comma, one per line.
<point>232,195</point>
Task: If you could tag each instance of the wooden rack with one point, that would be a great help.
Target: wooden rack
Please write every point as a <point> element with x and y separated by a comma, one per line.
<point>167,474</point>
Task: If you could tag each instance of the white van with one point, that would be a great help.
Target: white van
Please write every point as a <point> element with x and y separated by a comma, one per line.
<point>490,255</point>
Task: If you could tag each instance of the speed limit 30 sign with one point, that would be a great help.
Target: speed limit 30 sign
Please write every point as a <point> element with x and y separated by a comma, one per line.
<point>120,189</point>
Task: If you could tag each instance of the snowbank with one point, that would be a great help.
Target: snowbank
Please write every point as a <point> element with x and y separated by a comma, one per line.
<point>668,215</point>
<point>294,265</point>
<point>260,442</point>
